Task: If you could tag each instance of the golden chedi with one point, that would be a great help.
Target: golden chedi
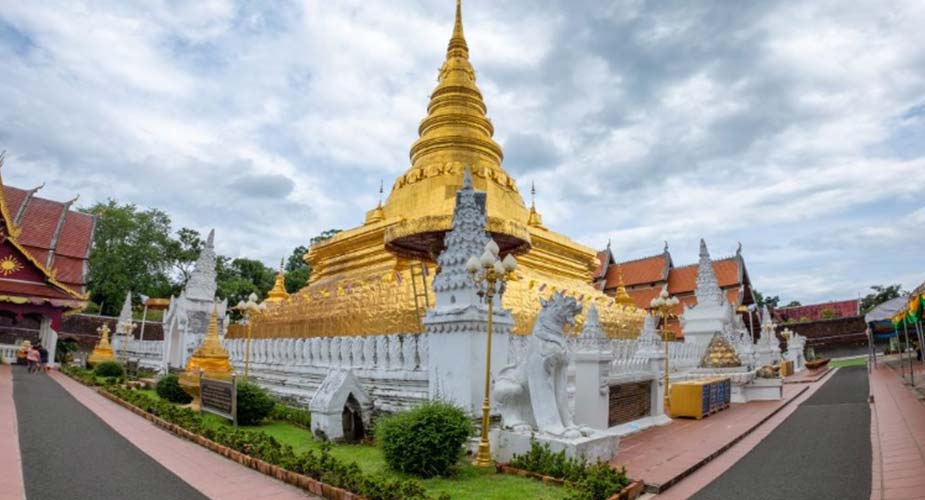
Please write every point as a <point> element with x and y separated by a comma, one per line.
<point>102,351</point>
<point>210,358</point>
<point>720,354</point>
<point>377,278</point>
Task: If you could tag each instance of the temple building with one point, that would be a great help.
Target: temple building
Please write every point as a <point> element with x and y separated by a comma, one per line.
<point>638,281</point>
<point>377,278</point>
<point>44,247</point>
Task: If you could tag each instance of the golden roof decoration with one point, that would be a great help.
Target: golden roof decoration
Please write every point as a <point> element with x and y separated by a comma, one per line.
<point>102,351</point>
<point>278,293</point>
<point>720,354</point>
<point>210,356</point>
<point>622,297</point>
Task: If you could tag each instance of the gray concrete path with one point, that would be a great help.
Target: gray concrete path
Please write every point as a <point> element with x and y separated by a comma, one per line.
<point>69,453</point>
<point>822,451</point>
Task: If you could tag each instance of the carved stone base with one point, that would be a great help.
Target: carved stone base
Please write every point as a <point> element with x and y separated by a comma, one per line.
<point>763,389</point>
<point>601,445</point>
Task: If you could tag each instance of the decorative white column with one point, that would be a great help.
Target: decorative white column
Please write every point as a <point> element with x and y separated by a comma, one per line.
<point>592,367</point>
<point>457,325</point>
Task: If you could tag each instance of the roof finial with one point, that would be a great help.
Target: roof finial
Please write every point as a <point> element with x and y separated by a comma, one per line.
<point>665,250</point>
<point>608,244</point>
<point>281,266</point>
<point>532,195</point>
<point>458,46</point>
<point>380,191</point>
<point>739,249</point>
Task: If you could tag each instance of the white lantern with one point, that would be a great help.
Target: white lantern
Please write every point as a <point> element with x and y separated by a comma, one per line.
<point>472,265</point>
<point>487,259</point>
<point>492,247</point>
<point>510,263</point>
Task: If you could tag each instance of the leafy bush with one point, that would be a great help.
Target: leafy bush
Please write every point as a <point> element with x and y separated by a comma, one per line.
<point>542,460</point>
<point>597,481</point>
<point>321,466</point>
<point>600,482</point>
<point>254,404</point>
<point>425,441</point>
<point>109,369</point>
<point>295,416</point>
<point>168,388</point>
<point>85,376</point>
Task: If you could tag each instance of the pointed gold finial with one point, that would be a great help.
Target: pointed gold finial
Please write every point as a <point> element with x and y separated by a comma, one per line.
<point>102,351</point>
<point>278,293</point>
<point>622,297</point>
<point>534,218</point>
<point>458,46</point>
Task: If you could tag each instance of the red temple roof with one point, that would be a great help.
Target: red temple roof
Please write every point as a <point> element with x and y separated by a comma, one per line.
<point>55,236</point>
<point>814,312</point>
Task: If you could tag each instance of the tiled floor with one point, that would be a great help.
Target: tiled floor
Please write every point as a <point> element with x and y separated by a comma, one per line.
<point>703,476</point>
<point>662,456</point>
<point>211,474</point>
<point>11,481</point>
<point>898,438</point>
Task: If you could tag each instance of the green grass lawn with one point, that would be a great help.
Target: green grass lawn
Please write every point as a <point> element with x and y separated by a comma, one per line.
<point>469,482</point>
<point>859,361</point>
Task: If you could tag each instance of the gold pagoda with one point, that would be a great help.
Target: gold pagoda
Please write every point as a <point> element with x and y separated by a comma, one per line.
<point>210,358</point>
<point>376,278</point>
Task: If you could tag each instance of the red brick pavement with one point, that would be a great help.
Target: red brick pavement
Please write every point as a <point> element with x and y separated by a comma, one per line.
<point>11,482</point>
<point>712,470</point>
<point>662,456</point>
<point>897,438</point>
<point>210,473</point>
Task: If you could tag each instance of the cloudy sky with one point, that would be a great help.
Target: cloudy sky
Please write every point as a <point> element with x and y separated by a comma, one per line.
<point>795,128</point>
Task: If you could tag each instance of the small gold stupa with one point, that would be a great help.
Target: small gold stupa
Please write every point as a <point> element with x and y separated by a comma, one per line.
<point>210,358</point>
<point>278,293</point>
<point>375,278</point>
<point>720,354</point>
<point>102,351</point>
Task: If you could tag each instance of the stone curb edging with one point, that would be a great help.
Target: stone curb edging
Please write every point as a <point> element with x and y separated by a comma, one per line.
<point>661,488</point>
<point>298,480</point>
<point>817,374</point>
<point>629,492</point>
<point>295,479</point>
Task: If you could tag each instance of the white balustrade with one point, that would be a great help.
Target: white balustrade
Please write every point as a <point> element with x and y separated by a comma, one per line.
<point>8,353</point>
<point>380,352</point>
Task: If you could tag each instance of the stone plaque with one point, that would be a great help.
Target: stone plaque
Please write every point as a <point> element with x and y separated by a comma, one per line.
<point>629,402</point>
<point>219,397</point>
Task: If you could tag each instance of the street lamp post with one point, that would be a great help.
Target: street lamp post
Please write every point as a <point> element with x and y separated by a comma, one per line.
<point>490,275</point>
<point>661,306</point>
<point>248,308</point>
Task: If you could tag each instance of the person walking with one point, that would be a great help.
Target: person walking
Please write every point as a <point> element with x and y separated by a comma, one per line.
<point>43,358</point>
<point>33,358</point>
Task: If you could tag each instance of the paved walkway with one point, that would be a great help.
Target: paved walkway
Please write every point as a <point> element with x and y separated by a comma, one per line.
<point>898,437</point>
<point>823,450</point>
<point>210,473</point>
<point>67,452</point>
<point>11,485</point>
<point>662,456</point>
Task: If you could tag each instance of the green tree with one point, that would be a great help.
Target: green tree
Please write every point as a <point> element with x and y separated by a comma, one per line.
<point>185,249</point>
<point>297,270</point>
<point>793,303</point>
<point>131,251</point>
<point>770,301</point>
<point>238,278</point>
<point>880,295</point>
<point>324,236</point>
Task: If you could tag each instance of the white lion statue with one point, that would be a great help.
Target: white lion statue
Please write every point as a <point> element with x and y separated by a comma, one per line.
<point>531,394</point>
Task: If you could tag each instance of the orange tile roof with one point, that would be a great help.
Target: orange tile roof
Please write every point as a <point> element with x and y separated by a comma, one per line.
<point>638,272</point>
<point>684,279</point>
<point>39,222</point>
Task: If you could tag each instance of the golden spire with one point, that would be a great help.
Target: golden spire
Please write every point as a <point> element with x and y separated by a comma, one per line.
<point>278,293</point>
<point>210,356</point>
<point>456,133</point>
<point>622,297</point>
<point>534,219</point>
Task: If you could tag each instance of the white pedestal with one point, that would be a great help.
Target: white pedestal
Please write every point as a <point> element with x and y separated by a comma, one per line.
<point>764,389</point>
<point>591,390</point>
<point>600,446</point>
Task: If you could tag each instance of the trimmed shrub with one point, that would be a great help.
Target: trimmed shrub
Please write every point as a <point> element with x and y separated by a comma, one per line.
<point>109,369</point>
<point>598,481</point>
<point>254,404</point>
<point>291,414</point>
<point>168,388</point>
<point>425,441</point>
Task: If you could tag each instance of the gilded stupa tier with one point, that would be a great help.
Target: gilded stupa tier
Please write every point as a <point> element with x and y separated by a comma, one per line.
<point>720,354</point>
<point>364,280</point>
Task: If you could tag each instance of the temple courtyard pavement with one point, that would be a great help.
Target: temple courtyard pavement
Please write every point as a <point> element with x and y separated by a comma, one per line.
<point>59,439</point>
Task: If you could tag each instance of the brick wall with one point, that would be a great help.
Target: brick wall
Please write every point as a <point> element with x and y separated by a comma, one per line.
<point>629,402</point>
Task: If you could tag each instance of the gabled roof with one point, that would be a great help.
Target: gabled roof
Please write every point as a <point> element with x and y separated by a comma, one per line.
<point>684,279</point>
<point>52,237</point>
<point>642,271</point>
